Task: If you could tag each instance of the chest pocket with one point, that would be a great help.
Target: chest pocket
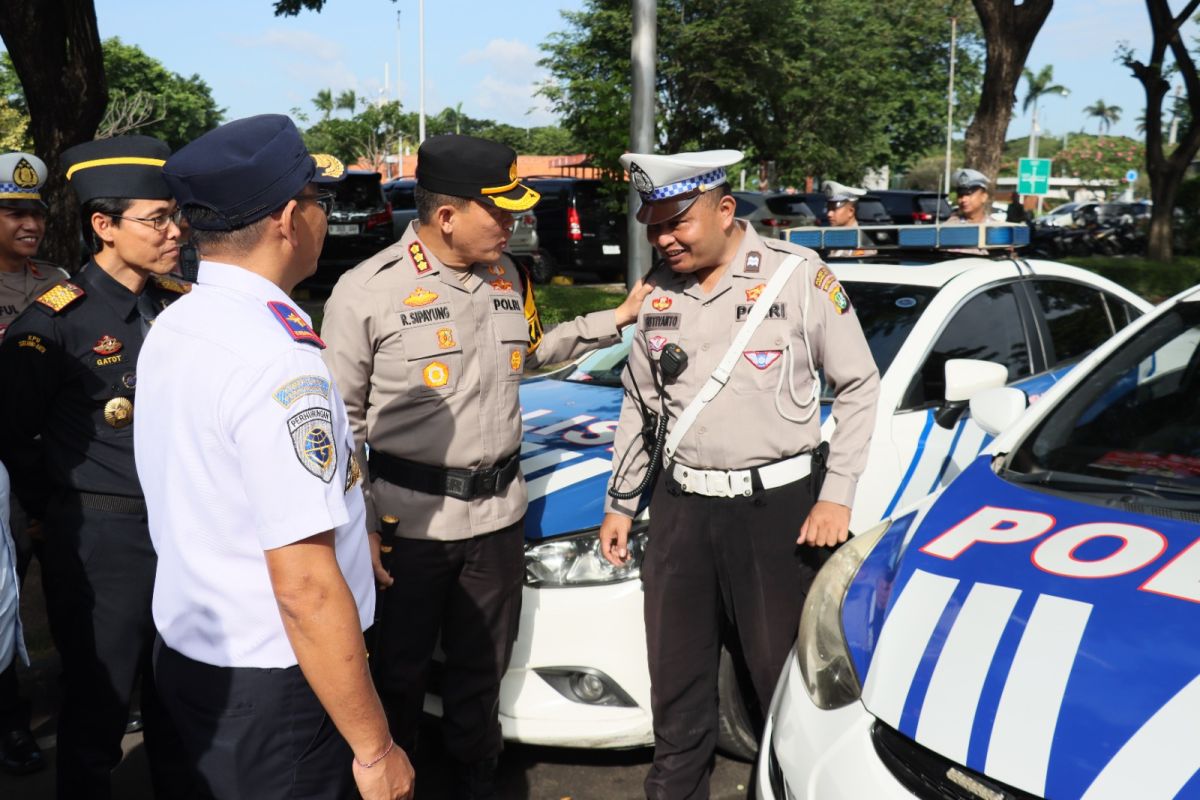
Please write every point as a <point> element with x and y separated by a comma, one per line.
<point>434,360</point>
<point>766,359</point>
<point>512,332</point>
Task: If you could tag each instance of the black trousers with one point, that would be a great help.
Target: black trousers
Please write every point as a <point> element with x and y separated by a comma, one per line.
<point>469,593</point>
<point>98,578</point>
<point>254,734</point>
<point>715,564</point>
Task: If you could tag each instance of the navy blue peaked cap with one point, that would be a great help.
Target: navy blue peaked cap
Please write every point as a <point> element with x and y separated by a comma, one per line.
<point>244,170</point>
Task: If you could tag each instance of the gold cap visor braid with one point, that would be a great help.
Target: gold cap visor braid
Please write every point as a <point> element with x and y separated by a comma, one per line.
<point>516,197</point>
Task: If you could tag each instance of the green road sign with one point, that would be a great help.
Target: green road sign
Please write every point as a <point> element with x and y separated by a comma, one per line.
<point>1033,176</point>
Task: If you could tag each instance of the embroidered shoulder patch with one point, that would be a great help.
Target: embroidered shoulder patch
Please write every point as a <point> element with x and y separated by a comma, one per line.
<point>293,390</point>
<point>61,295</point>
<point>312,438</point>
<point>291,320</point>
<point>824,279</point>
<point>417,253</point>
<point>839,298</point>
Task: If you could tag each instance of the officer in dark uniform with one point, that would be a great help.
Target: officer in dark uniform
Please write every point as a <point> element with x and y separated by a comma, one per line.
<point>69,365</point>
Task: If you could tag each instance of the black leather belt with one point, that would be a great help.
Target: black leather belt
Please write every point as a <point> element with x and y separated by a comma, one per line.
<point>116,503</point>
<point>462,484</point>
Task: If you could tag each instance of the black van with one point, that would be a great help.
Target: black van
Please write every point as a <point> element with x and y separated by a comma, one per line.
<point>360,225</point>
<point>913,206</point>
<point>577,229</point>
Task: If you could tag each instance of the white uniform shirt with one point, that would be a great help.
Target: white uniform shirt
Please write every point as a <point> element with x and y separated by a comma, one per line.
<point>242,446</point>
<point>12,643</point>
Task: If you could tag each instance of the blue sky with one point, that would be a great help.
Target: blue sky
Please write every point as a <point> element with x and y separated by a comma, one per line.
<point>484,54</point>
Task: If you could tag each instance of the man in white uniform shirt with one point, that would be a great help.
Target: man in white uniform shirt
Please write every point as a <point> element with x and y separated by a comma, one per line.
<point>264,582</point>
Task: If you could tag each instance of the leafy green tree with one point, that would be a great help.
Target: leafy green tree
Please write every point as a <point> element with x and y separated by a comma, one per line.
<point>14,128</point>
<point>323,102</point>
<point>1103,157</point>
<point>820,87</point>
<point>347,101</point>
<point>1105,115</point>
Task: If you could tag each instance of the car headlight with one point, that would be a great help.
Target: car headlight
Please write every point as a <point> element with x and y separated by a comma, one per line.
<point>821,649</point>
<point>576,560</point>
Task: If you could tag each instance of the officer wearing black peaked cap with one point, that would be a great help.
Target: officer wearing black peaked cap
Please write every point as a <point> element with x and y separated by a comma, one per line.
<point>68,395</point>
<point>428,341</point>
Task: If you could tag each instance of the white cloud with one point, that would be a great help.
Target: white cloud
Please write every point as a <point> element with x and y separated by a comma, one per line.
<point>293,41</point>
<point>507,57</point>
<point>513,102</point>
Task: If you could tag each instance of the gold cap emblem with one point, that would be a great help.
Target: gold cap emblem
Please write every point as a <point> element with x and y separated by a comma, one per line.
<point>24,175</point>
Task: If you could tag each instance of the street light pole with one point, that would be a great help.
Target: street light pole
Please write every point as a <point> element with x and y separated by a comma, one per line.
<point>641,128</point>
<point>421,67</point>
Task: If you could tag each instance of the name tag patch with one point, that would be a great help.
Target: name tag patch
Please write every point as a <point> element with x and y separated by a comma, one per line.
<point>506,304</point>
<point>777,311</point>
<point>425,316</point>
<point>313,441</point>
<point>665,322</point>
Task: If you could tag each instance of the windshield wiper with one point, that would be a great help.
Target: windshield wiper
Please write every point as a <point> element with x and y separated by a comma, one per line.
<point>1057,479</point>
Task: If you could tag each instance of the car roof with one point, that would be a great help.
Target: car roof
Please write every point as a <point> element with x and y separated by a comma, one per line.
<point>916,273</point>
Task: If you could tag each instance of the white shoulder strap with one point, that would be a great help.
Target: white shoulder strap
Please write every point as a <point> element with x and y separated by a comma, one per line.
<point>717,381</point>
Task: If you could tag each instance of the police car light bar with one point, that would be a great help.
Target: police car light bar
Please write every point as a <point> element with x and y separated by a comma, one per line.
<point>993,236</point>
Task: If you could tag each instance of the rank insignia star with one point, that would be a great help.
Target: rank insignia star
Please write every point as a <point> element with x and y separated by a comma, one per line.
<point>418,258</point>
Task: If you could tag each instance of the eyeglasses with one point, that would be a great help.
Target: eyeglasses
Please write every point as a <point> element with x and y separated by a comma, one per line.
<point>159,223</point>
<point>324,200</point>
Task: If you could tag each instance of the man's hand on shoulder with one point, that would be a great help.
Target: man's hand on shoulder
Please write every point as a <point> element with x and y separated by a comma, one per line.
<point>627,312</point>
<point>827,524</point>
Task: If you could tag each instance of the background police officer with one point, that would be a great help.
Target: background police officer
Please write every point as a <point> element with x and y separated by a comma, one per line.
<point>22,278</point>
<point>973,191</point>
<point>69,367</point>
<point>735,530</point>
<point>264,577</point>
<point>841,204</point>
<point>427,342</point>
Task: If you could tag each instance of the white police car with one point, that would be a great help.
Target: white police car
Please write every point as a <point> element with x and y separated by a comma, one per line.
<point>578,675</point>
<point>1028,631</point>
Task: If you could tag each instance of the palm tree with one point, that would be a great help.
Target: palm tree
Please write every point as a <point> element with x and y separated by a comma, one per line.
<point>324,102</point>
<point>1106,115</point>
<point>1036,87</point>
<point>347,101</point>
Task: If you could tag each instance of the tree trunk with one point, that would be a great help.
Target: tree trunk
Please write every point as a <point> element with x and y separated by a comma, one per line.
<point>1009,31</point>
<point>55,50</point>
<point>1161,243</point>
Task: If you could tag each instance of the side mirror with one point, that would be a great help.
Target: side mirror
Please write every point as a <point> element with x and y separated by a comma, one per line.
<point>995,410</point>
<point>965,378</point>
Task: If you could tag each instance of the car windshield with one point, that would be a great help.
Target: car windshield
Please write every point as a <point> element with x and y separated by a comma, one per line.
<point>358,193</point>
<point>1063,209</point>
<point>886,311</point>
<point>934,205</point>
<point>1133,427</point>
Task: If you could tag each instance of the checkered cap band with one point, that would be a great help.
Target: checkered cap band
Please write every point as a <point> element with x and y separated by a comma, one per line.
<point>703,182</point>
<point>12,188</point>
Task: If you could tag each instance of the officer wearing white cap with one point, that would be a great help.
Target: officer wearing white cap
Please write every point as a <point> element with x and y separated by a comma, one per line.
<point>973,191</point>
<point>428,341</point>
<point>841,205</point>
<point>264,577</point>
<point>22,278</point>
<point>69,367</point>
<point>724,368</point>
<point>22,226</point>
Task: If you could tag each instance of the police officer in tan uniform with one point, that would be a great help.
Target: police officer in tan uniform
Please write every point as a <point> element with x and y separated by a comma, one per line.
<point>22,279</point>
<point>22,226</point>
<point>738,528</point>
<point>841,205</point>
<point>427,342</point>
<point>973,191</point>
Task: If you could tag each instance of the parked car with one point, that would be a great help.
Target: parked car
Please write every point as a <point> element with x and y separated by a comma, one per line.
<point>566,686</point>
<point>524,245</point>
<point>772,214</point>
<point>869,211</point>
<point>578,228</point>
<point>913,206</point>
<point>1029,631</point>
<point>399,193</point>
<point>360,225</point>
<point>1067,215</point>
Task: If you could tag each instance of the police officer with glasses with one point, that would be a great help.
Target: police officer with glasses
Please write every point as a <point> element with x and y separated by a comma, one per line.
<point>722,419</point>
<point>69,367</point>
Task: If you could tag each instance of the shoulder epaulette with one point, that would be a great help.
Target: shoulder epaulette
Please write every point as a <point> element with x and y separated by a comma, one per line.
<point>41,268</point>
<point>169,284</point>
<point>59,296</point>
<point>295,325</point>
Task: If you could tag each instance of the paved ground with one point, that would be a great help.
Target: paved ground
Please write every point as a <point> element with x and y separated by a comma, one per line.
<point>538,773</point>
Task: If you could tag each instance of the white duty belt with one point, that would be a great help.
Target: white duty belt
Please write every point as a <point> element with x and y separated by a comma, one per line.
<point>734,482</point>
<point>716,382</point>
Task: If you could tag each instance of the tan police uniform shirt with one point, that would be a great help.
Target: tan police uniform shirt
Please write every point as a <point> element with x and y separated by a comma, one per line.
<point>741,427</point>
<point>19,289</point>
<point>429,366</point>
